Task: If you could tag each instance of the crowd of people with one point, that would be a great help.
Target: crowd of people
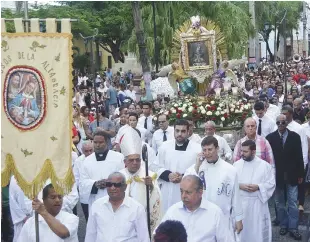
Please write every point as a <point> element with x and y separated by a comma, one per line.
<point>199,189</point>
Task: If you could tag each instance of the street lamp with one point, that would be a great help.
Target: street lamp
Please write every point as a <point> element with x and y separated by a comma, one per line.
<point>297,33</point>
<point>266,28</point>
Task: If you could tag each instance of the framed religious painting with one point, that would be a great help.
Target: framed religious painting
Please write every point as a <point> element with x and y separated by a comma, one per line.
<point>198,51</point>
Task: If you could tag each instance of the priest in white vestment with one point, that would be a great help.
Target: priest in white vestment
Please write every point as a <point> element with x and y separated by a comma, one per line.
<point>55,225</point>
<point>220,184</point>
<point>257,184</point>
<point>136,178</point>
<point>202,219</point>
<point>21,208</point>
<point>173,158</point>
<point>96,169</point>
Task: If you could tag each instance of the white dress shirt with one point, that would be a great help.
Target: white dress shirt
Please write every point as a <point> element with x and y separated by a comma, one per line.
<point>273,112</point>
<point>131,94</point>
<point>205,224</point>
<point>128,223</point>
<point>70,221</point>
<point>297,128</point>
<point>196,138</point>
<point>158,137</point>
<point>249,93</point>
<point>77,168</point>
<point>149,127</point>
<point>268,125</point>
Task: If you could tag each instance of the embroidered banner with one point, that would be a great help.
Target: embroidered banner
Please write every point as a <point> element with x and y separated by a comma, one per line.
<point>36,71</point>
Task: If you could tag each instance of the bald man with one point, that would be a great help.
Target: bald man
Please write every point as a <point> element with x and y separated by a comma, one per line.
<point>263,148</point>
<point>202,219</point>
<point>299,112</point>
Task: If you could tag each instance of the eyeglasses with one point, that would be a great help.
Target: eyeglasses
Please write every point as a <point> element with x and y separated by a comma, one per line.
<point>115,184</point>
<point>281,122</point>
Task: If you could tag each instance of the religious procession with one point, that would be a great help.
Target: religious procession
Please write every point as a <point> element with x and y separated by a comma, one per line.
<point>128,121</point>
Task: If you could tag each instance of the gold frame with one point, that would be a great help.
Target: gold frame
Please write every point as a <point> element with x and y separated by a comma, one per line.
<point>209,40</point>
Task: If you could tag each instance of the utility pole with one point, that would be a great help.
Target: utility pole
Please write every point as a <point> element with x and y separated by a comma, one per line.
<point>252,40</point>
<point>305,32</point>
<point>26,15</point>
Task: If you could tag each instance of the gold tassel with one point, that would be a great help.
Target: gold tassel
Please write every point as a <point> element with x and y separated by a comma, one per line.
<point>31,190</point>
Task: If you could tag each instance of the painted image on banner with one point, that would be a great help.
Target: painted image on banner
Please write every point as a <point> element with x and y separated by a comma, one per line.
<point>23,98</point>
<point>198,54</point>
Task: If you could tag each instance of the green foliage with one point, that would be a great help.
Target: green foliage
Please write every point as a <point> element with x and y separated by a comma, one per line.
<point>80,62</point>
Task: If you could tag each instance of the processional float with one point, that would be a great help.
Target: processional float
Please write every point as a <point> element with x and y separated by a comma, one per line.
<point>36,128</point>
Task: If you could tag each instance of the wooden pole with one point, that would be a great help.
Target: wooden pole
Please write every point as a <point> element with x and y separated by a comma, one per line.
<point>36,219</point>
<point>145,158</point>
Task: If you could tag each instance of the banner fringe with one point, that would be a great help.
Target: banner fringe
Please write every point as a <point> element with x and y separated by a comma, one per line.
<point>31,190</point>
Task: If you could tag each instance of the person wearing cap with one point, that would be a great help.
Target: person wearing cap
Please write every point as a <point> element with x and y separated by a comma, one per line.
<point>55,225</point>
<point>136,178</point>
<point>117,217</point>
<point>97,167</point>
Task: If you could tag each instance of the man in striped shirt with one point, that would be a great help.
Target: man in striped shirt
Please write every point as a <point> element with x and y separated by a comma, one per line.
<point>263,148</point>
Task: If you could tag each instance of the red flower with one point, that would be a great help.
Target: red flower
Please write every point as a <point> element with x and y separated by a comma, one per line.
<point>209,108</point>
<point>179,111</point>
<point>213,118</point>
<point>195,106</point>
<point>225,115</point>
<point>178,115</point>
<point>194,111</point>
<point>213,108</point>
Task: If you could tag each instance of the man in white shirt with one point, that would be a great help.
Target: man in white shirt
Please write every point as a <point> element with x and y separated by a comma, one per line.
<point>131,93</point>
<point>248,91</point>
<point>87,149</point>
<point>224,150</point>
<point>297,128</point>
<point>117,217</point>
<point>257,184</point>
<point>202,219</point>
<point>221,186</point>
<point>20,205</point>
<point>173,158</point>
<point>164,133</point>
<point>265,125</point>
<point>136,178</point>
<point>272,111</point>
<point>191,136</point>
<point>55,225</point>
<point>97,167</point>
<point>133,122</point>
<point>146,121</point>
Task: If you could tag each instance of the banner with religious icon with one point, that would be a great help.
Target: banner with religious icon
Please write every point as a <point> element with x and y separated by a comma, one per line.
<point>36,79</point>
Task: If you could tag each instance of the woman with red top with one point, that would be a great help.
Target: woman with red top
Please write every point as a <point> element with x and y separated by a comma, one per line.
<point>86,115</point>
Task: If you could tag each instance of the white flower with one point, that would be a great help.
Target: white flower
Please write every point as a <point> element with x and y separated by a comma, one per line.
<point>190,109</point>
<point>166,113</point>
<point>173,111</point>
<point>189,103</point>
<point>176,105</point>
<point>209,113</point>
<point>184,115</point>
<point>231,110</point>
<point>217,113</point>
<point>246,107</point>
<point>184,105</point>
<point>155,118</point>
<point>212,102</point>
<point>222,118</point>
<point>219,109</point>
<point>222,112</point>
<point>232,105</point>
<point>221,105</point>
<point>199,103</point>
<point>237,111</point>
<point>203,111</point>
<point>208,106</point>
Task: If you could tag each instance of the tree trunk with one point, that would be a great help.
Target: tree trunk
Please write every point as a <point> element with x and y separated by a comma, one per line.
<point>115,51</point>
<point>271,56</point>
<point>144,58</point>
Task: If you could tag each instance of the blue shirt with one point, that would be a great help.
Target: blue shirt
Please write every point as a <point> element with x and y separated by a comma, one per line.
<point>113,95</point>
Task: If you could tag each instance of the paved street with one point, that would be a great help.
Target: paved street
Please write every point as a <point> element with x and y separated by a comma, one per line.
<point>275,230</point>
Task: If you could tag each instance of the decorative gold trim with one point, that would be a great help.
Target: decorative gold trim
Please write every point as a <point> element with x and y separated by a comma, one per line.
<point>62,186</point>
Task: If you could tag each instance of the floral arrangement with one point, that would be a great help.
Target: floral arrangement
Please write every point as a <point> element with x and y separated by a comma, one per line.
<point>224,112</point>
